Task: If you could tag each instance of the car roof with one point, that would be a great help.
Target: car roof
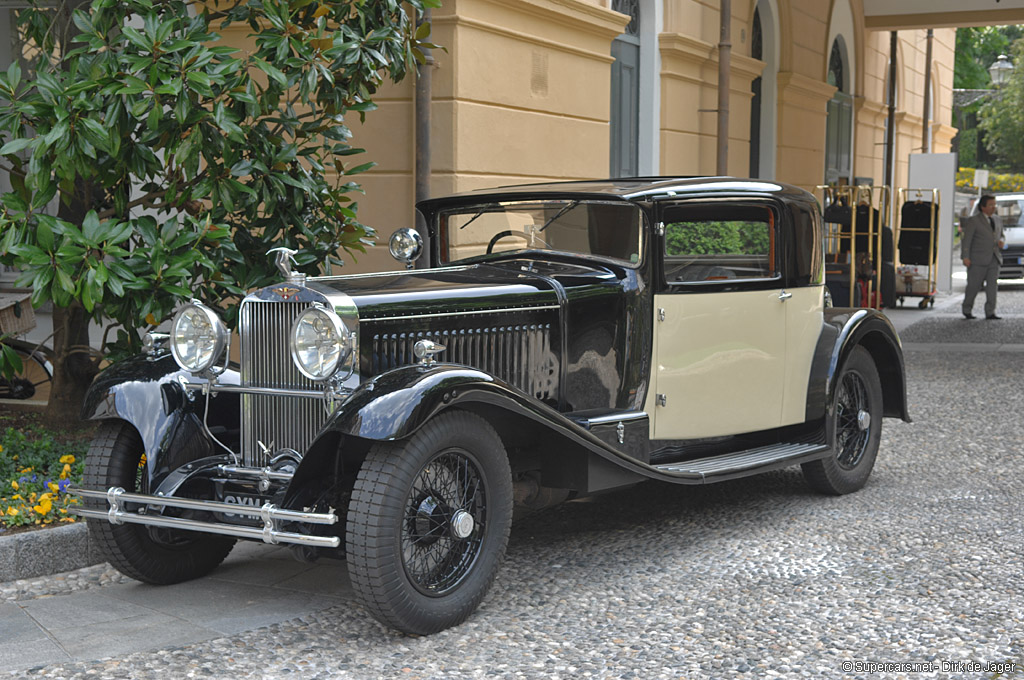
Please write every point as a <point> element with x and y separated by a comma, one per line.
<point>629,189</point>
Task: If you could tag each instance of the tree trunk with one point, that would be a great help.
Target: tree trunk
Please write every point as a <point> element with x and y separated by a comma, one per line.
<point>73,367</point>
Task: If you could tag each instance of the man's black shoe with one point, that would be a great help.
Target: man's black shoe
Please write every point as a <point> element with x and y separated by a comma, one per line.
<point>968,315</point>
<point>993,316</point>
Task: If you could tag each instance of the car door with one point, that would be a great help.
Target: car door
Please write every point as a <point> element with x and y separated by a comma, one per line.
<point>720,320</point>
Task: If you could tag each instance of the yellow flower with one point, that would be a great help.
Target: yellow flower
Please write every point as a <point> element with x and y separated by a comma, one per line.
<point>32,497</point>
<point>16,497</point>
<point>65,472</point>
<point>12,511</point>
<point>53,487</point>
<point>26,471</point>
<point>44,507</point>
<point>45,497</point>
<point>1,448</point>
<point>14,485</point>
<point>67,459</point>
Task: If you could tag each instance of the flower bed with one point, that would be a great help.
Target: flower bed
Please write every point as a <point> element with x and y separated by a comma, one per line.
<point>36,467</point>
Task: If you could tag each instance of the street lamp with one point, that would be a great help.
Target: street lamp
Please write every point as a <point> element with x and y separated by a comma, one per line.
<point>1000,70</point>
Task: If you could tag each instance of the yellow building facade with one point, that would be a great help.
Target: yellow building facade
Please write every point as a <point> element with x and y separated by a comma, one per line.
<point>527,90</point>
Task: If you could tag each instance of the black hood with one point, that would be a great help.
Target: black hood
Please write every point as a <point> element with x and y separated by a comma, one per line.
<point>432,291</point>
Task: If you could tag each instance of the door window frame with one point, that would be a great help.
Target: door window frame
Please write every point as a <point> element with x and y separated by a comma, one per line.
<point>776,246</point>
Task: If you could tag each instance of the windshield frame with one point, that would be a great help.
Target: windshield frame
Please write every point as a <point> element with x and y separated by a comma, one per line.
<point>566,205</point>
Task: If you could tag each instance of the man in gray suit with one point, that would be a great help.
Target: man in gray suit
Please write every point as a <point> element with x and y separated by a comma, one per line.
<point>979,247</point>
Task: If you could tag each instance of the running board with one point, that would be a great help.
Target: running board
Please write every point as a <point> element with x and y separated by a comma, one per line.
<point>743,463</point>
<point>268,513</point>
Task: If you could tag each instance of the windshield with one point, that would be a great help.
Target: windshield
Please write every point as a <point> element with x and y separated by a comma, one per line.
<point>600,228</point>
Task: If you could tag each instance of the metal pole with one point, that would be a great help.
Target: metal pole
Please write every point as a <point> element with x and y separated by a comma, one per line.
<point>424,84</point>
<point>890,133</point>
<point>925,145</point>
<point>724,59</point>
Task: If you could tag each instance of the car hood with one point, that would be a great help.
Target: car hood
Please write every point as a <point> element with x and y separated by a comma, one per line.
<point>478,287</point>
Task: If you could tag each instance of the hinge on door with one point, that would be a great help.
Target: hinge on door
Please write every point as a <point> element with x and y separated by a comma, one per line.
<point>662,400</point>
<point>661,313</point>
<point>659,228</point>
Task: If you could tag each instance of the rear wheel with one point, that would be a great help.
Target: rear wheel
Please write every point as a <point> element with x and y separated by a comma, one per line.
<point>428,523</point>
<point>149,554</point>
<point>857,419</point>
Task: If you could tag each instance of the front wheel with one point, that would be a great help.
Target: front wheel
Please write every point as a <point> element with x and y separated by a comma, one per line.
<point>146,553</point>
<point>428,523</point>
<point>857,421</point>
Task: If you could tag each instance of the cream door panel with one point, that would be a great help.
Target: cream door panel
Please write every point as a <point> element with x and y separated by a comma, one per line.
<point>720,362</point>
<point>804,318</point>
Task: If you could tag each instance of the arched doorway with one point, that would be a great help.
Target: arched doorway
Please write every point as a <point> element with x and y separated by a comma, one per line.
<point>839,126</point>
<point>625,97</point>
<point>764,46</point>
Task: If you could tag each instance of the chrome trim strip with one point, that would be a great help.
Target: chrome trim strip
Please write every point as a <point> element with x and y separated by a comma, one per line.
<point>267,391</point>
<point>463,313</point>
<point>396,272</point>
<point>625,417</point>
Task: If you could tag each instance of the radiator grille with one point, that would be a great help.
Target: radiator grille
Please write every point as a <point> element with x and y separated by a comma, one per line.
<point>277,421</point>
<point>519,355</point>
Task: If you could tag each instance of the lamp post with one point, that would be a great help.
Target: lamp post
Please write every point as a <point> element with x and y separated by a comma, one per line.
<point>1000,70</point>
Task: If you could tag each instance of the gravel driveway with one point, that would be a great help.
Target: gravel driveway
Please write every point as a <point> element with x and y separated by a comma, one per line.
<point>761,577</point>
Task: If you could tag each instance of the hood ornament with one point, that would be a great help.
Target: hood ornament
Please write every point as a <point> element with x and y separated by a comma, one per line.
<point>283,258</point>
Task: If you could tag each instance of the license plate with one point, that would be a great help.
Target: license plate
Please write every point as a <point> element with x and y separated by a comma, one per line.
<point>241,499</point>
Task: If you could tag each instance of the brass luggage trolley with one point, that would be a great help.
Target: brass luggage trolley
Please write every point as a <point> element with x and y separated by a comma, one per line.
<point>859,268</point>
<point>917,239</point>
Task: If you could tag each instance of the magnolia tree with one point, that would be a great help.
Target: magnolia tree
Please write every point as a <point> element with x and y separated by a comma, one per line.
<point>176,162</point>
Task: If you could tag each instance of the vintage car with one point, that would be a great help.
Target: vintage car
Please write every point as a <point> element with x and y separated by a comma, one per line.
<point>558,340</point>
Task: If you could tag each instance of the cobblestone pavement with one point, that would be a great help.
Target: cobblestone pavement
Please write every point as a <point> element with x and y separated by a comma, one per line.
<point>757,578</point>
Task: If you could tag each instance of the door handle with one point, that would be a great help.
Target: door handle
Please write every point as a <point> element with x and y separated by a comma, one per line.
<point>783,296</point>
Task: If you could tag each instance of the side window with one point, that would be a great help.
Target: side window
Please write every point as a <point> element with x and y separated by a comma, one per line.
<point>719,242</point>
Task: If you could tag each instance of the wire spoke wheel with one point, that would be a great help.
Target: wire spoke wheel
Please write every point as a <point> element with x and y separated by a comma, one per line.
<point>428,523</point>
<point>856,428</point>
<point>853,421</point>
<point>445,522</point>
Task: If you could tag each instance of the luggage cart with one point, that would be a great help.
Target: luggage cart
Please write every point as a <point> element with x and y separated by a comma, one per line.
<point>917,240</point>
<point>859,267</point>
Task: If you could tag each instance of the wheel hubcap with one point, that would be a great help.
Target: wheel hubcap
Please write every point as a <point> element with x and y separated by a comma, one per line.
<point>445,522</point>
<point>863,420</point>
<point>462,524</point>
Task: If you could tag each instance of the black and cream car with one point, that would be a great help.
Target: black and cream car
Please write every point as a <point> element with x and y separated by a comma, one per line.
<point>557,340</point>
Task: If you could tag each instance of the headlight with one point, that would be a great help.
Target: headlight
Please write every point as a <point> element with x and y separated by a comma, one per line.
<point>406,245</point>
<point>198,338</point>
<point>320,342</point>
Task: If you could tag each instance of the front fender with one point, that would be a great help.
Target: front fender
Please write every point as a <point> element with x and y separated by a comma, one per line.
<point>872,330</point>
<point>395,404</point>
<point>144,391</point>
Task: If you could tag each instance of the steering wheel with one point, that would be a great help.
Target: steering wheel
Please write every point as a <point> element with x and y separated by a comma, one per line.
<point>500,235</point>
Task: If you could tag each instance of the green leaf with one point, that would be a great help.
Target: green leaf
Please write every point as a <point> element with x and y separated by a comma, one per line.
<point>91,227</point>
<point>16,145</point>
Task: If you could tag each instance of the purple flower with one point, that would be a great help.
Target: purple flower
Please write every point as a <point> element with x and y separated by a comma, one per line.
<point>63,485</point>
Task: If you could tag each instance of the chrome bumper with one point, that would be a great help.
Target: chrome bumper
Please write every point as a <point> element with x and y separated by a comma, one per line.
<point>269,513</point>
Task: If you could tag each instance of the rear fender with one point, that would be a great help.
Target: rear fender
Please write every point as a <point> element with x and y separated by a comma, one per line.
<point>874,332</point>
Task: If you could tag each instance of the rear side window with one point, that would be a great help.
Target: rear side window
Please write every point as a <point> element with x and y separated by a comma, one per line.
<point>720,242</point>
